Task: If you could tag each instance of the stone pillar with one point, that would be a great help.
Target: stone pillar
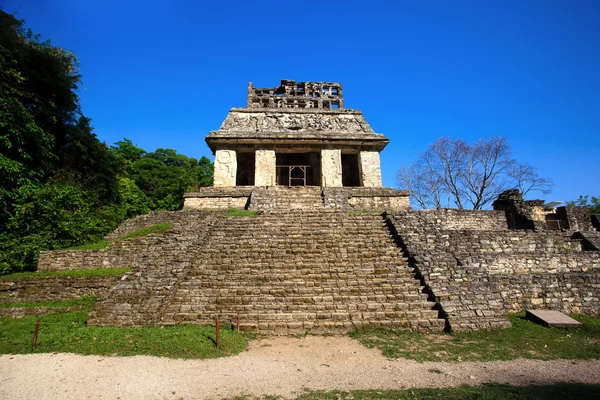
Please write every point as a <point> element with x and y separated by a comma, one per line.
<point>369,168</point>
<point>264,169</point>
<point>331,168</point>
<point>225,168</point>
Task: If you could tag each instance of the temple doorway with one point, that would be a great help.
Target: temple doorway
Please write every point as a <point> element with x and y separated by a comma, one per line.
<point>245,169</point>
<point>298,169</point>
<point>350,172</point>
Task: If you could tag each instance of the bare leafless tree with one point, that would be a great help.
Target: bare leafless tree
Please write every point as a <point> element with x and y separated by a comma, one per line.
<point>526,179</point>
<point>469,176</point>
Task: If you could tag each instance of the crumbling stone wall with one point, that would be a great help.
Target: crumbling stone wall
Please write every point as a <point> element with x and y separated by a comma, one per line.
<point>52,288</point>
<point>477,276</point>
<point>521,214</point>
<point>575,218</point>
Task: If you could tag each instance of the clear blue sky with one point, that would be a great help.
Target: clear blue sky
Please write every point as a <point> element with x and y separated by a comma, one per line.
<point>165,73</point>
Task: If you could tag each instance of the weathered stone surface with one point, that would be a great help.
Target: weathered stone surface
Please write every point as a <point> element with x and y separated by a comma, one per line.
<point>331,168</point>
<point>225,168</point>
<point>291,125</point>
<point>552,319</point>
<point>292,94</point>
<point>370,168</point>
<point>282,272</point>
<point>478,271</point>
<point>52,288</point>
<point>265,168</point>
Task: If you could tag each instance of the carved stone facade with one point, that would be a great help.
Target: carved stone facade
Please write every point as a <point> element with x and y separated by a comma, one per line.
<point>331,168</point>
<point>296,134</point>
<point>225,168</point>
<point>265,170</point>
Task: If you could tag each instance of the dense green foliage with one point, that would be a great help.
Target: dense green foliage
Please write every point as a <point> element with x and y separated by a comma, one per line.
<point>59,185</point>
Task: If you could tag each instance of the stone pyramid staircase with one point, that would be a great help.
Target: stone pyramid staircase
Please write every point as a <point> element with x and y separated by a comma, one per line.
<point>293,272</point>
<point>285,198</point>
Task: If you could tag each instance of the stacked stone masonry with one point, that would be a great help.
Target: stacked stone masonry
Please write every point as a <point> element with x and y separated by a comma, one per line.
<point>282,272</point>
<point>478,275</point>
<point>269,197</point>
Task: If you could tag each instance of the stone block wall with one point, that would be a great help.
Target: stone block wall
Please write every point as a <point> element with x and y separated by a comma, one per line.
<point>218,198</point>
<point>377,198</point>
<point>451,219</point>
<point>477,276</point>
<point>575,218</point>
<point>53,288</point>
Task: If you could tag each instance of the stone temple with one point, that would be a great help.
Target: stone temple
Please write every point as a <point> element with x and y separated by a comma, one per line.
<point>329,249</point>
<point>296,134</point>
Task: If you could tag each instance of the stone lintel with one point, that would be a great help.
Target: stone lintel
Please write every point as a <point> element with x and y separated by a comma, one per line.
<point>282,143</point>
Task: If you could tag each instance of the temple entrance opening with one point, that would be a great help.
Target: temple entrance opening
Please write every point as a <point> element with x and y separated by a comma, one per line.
<point>245,168</point>
<point>298,169</point>
<point>350,173</point>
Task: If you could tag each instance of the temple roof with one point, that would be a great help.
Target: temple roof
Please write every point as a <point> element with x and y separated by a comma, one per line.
<point>286,122</point>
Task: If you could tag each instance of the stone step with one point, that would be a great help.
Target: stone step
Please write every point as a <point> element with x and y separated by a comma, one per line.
<point>291,327</point>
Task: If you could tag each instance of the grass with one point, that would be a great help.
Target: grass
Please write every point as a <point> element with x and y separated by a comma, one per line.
<point>485,392</point>
<point>83,272</point>
<point>145,231</point>
<point>68,333</point>
<point>524,339</point>
<point>103,244</point>
<point>365,212</point>
<point>86,301</point>
<point>241,213</point>
<point>90,246</point>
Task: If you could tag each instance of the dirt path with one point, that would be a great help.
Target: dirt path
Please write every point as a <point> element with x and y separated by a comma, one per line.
<point>281,366</point>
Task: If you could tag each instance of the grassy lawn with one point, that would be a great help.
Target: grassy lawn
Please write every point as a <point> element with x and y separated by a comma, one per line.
<point>68,333</point>
<point>241,213</point>
<point>486,392</point>
<point>82,272</point>
<point>524,339</point>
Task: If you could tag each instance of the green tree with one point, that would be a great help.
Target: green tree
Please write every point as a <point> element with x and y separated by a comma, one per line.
<point>164,175</point>
<point>591,202</point>
<point>58,182</point>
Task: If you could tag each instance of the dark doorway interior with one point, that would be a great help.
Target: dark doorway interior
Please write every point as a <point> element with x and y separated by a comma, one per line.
<point>350,173</point>
<point>298,163</point>
<point>245,169</point>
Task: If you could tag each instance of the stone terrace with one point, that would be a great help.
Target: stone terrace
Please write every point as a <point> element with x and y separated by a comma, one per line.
<point>478,270</point>
<point>282,272</point>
